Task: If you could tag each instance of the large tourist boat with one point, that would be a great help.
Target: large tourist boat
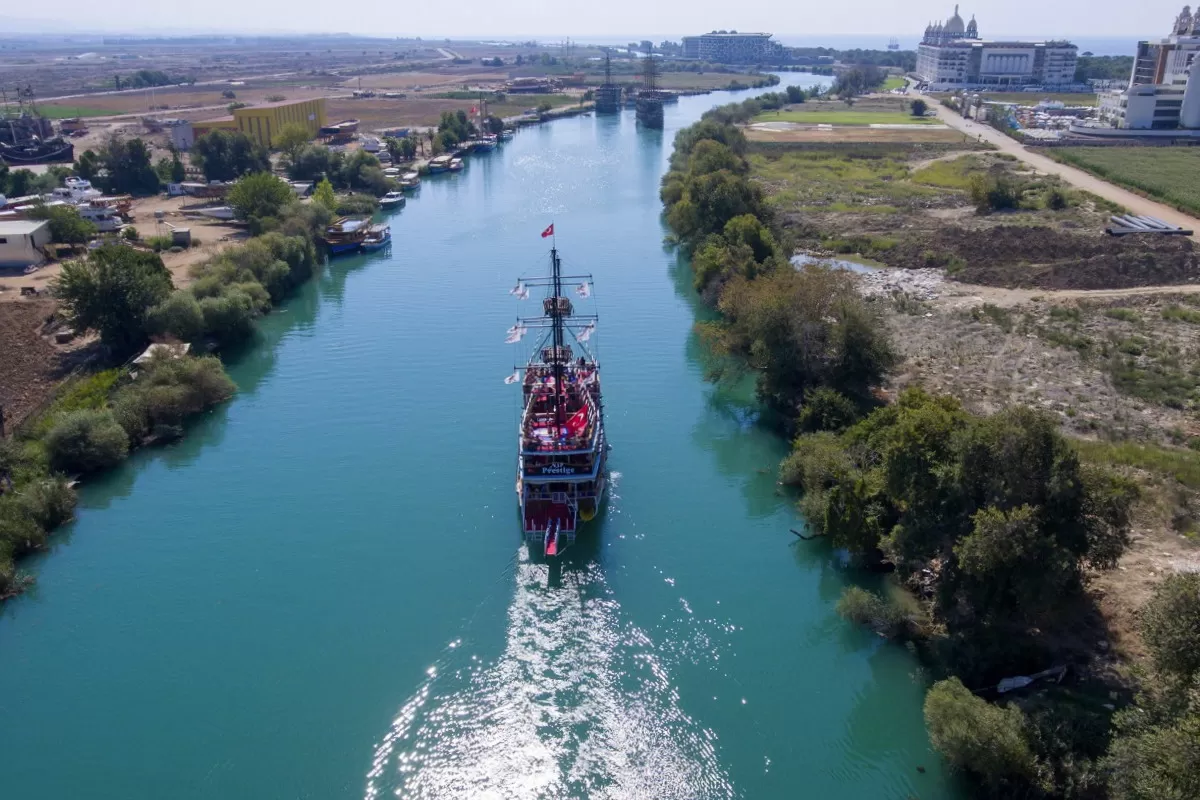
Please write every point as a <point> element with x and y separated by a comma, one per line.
<point>562,447</point>
<point>346,234</point>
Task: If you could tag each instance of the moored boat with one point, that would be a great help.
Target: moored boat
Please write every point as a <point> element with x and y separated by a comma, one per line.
<point>456,164</point>
<point>392,200</point>
<point>410,180</point>
<point>346,234</point>
<point>378,237</point>
<point>440,164</point>
<point>562,449</point>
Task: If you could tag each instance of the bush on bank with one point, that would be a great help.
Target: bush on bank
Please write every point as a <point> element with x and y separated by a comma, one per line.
<point>95,421</point>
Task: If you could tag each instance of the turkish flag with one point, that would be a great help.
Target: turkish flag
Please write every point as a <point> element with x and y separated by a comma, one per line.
<point>578,421</point>
<point>549,231</point>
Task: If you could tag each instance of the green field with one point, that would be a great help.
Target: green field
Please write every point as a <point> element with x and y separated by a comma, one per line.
<point>1169,174</point>
<point>894,82</point>
<point>845,118</point>
<point>67,112</point>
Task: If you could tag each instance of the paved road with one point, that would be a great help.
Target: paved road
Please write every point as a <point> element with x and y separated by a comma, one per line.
<point>1076,177</point>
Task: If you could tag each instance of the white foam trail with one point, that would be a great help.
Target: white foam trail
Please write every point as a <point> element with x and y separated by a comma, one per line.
<point>578,706</point>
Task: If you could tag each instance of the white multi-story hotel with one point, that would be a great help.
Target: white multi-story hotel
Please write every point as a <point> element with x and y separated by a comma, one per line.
<point>952,56</point>
<point>1164,89</point>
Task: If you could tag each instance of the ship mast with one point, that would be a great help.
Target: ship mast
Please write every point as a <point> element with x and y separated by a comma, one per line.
<point>557,309</point>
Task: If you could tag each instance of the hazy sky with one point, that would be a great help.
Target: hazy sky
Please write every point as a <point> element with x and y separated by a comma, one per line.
<point>597,19</point>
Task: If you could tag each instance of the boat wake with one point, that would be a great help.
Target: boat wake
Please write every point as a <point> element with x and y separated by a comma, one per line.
<point>578,705</point>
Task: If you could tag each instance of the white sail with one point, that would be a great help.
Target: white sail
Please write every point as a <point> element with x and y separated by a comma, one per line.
<point>516,290</point>
<point>584,290</point>
<point>587,332</point>
<point>515,333</point>
<point>516,376</point>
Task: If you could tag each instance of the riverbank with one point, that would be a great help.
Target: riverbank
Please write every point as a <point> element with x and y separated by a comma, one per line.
<point>881,482</point>
<point>110,408</point>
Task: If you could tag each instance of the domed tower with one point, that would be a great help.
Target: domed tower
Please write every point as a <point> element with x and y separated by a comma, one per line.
<point>955,29</point>
<point>972,28</point>
<point>928,34</point>
<point>1184,23</point>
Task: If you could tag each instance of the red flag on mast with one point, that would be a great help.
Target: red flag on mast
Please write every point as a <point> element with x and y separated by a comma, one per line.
<point>549,231</point>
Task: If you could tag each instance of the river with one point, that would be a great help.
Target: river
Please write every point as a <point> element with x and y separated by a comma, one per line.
<point>321,592</point>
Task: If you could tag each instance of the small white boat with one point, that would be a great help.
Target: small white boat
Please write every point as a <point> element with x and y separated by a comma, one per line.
<point>410,180</point>
<point>456,164</point>
<point>393,200</point>
<point>216,212</point>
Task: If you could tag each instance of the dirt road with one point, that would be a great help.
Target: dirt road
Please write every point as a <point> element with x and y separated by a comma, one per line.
<point>1076,177</point>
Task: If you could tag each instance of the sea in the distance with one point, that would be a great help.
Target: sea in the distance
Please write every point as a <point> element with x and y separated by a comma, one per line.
<point>321,592</point>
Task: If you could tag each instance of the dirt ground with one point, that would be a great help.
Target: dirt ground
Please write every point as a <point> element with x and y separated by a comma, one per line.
<point>856,133</point>
<point>31,365</point>
<point>213,235</point>
<point>993,348</point>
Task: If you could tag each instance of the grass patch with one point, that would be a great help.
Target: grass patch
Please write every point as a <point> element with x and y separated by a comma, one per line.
<point>833,180</point>
<point>894,82</point>
<point>1175,313</point>
<point>953,174</point>
<point>1163,173</point>
<point>67,112</point>
<point>823,117</point>
<point>82,394</point>
<point>1123,314</point>
<point>1181,464</point>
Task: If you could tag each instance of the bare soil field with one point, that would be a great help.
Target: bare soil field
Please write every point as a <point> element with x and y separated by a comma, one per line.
<point>857,133</point>
<point>444,78</point>
<point>168,101</point>
<point>30,366</point>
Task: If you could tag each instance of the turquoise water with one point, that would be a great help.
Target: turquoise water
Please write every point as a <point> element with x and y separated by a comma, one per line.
<point>321,592</point>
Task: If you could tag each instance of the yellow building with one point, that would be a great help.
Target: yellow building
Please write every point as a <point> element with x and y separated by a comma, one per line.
<point>263,123</point>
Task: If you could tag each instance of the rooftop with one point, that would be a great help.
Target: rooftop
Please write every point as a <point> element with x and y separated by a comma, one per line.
<point>21,227</point>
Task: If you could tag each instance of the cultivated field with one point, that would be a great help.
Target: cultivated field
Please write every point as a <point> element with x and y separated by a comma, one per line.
<point>1169,174</point>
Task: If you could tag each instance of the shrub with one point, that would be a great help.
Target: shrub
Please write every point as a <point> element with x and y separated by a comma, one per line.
<point>355,204</point>
<point>974,735</point>
<point>827,409</point>
<point>1056,199</point>
<point>159,243</point>
<point>1170,625</point>
<point>86,441</point>
<point>49,502</point>
<point>179,317</point>
<point>994,193</point>
<point>867,608</point>
<point>919,107</point>
<point>130,233</point>
<point>19,532</point>
<point>229,316</point>
<point>168,391</point>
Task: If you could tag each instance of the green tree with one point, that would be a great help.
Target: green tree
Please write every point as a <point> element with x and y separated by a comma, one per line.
<point>228,155</point>
<point>111,292</point>
<point>259,195</point>
<point>87,165</point>
<point>1170,625</point>
<point>494,125</point>
<point>291,139</point>
<point>21,182</point>
<point>324,195</point>
<point>984,739</point>
<point>127,167</point>
<point>86,441</point>
<point>66,225</point>
<point>919,107</point>
<point>314,161</point>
